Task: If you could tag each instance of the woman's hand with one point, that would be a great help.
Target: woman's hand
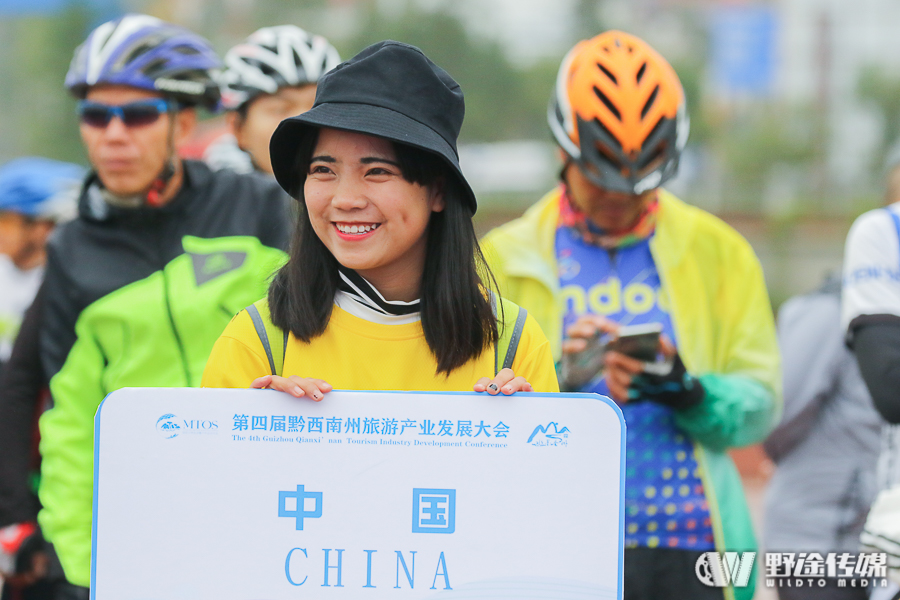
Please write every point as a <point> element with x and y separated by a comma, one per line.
<point>506,381</point>
<point>294,385</point>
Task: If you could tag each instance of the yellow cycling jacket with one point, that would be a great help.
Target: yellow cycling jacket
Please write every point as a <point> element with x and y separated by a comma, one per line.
<point>723,322</point>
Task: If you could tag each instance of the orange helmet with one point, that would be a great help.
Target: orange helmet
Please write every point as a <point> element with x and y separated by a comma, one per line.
<point>618,111</point>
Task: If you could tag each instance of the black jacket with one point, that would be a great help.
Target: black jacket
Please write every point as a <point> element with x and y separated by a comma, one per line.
<point>107,248</point>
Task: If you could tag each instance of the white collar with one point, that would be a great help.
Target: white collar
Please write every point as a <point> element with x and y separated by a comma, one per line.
<point>355,307</point>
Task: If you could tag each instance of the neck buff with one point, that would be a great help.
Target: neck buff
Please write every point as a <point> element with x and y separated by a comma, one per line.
<point>570,216</point>
<point>365,293</point>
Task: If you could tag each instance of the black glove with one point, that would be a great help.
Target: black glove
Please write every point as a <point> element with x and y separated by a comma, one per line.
<point>677,389</point>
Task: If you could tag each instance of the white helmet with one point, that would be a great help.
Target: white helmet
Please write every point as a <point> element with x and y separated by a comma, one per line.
<point>273,58</point>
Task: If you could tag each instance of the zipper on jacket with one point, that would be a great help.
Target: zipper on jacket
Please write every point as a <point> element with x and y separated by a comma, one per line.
<point>163,263</point>
<point>178,342</point>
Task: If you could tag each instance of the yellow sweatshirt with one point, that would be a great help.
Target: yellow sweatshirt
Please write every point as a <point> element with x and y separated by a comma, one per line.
<point>356,354</point>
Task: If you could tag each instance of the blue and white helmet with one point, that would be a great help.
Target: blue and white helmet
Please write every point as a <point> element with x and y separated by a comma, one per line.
<point>272,58</point>
<point>147,53</point>
<point>40,188</point>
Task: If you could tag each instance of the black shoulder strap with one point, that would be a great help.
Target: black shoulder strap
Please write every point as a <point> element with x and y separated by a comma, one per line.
<point>263,336</point>
<point>510,333</point>
<point>514,339</point>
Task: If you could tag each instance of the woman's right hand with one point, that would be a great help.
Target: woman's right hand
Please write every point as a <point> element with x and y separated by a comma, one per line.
<point>294,385</point>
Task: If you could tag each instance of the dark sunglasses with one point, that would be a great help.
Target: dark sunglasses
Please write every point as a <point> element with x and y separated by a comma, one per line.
<point>134,114</point>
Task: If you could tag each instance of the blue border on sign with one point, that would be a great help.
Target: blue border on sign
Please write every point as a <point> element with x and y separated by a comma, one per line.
<point>96,496</point>
<point>606,400</point>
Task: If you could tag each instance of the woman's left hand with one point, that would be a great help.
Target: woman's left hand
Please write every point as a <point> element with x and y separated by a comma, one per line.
<point>505,381</point>
<point>294,385</point>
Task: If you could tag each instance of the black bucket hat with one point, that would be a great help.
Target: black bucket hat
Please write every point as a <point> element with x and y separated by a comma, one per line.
<point>390,90</point>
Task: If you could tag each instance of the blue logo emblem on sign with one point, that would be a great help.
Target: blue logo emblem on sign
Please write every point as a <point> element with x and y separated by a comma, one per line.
<point>300,512</point>
<point>434,511</point>
<point>550,435</point>
<point>167,427</point>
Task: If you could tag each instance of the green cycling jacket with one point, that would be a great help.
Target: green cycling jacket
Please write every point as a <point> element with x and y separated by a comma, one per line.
<point>137,298</point>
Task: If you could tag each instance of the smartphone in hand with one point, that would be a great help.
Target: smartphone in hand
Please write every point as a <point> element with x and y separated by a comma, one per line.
<point>642,342</point>
<point>637,341</point>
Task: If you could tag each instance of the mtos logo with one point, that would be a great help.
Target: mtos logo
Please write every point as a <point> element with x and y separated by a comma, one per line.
<point>167,426</point>
<point>170,426</point>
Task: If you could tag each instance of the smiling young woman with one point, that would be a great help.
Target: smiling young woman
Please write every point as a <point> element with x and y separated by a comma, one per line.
<point>386,287</point>
<point>369,216</point>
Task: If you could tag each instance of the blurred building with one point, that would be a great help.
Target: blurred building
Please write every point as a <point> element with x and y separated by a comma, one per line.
<point>793,102</point>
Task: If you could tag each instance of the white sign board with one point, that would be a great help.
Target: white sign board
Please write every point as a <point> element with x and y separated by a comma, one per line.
<point>256,495</point>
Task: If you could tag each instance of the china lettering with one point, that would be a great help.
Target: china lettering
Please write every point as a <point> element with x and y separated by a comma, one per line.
<point>434,511</point>
<point>401,571</point>
<point>370,426</point>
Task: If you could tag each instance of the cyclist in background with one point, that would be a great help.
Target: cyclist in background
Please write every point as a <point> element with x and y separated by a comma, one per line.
<point>609,247</point>
<point>825,446</point>
<point>267,78</point>
<point>35,194</point>
<point>162,254</point>
<point>870,318</point>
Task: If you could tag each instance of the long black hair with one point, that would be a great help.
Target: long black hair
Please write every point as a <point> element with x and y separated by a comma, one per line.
<point>457,317</point>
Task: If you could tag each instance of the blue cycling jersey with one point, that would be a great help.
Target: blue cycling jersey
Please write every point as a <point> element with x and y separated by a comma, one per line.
<point>665,504</point>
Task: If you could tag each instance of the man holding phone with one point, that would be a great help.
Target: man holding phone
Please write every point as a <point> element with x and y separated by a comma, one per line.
<point>609,249</point>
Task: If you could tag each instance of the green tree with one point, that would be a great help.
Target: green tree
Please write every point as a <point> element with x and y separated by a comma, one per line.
<point>881,88</point>
<point>39,115</point>
<point>754,142</point>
